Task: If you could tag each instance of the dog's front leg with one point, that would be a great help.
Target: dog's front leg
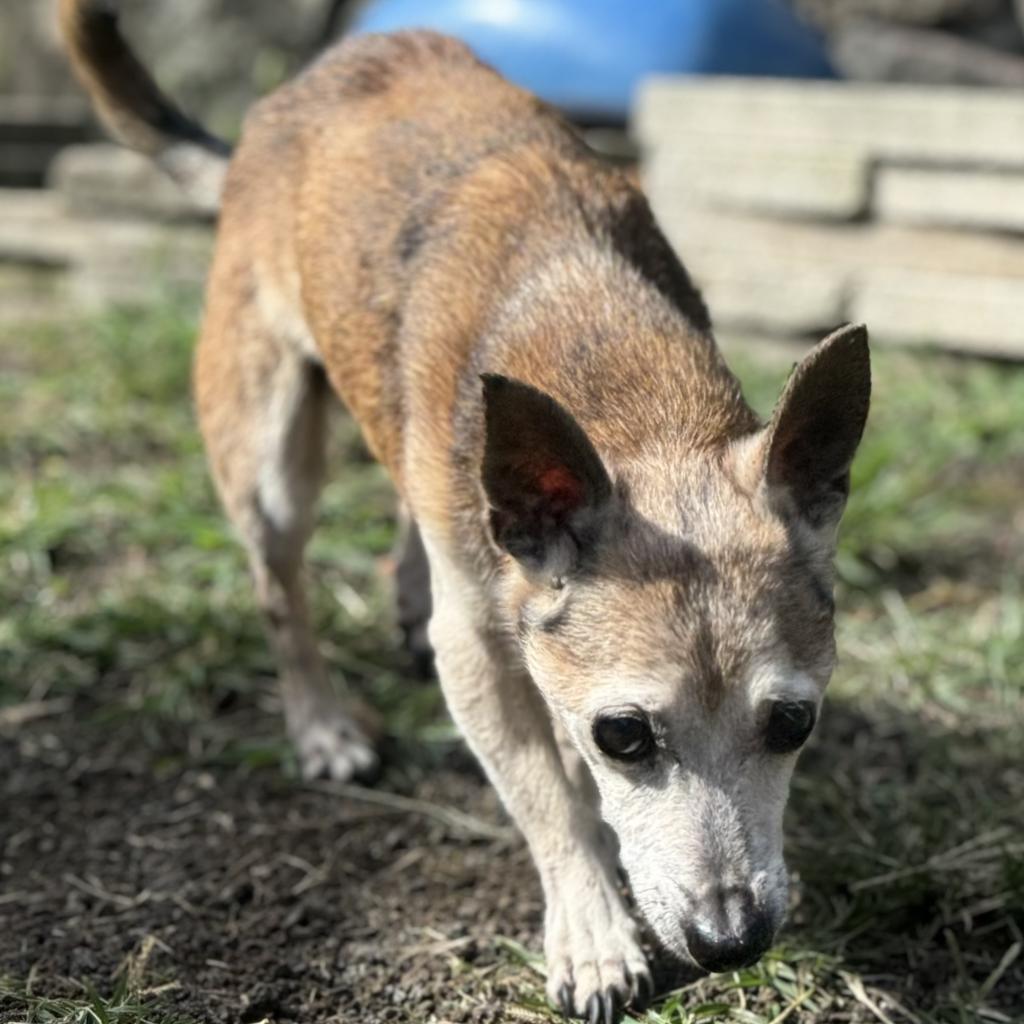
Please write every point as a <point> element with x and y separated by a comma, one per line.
<point>595,963</point>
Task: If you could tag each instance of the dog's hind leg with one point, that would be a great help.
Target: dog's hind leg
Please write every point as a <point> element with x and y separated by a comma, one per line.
<point>263,408</point>
<point>412,594</point>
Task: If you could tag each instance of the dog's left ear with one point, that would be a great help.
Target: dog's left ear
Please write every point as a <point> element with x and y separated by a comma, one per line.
<point>817,426</point>
<point>545,483</point>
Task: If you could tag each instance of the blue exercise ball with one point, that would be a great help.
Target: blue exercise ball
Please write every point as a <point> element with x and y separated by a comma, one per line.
<point>587,56</point>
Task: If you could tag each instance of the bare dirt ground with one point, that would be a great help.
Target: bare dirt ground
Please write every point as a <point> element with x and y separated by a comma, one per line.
<point>233,894</point>
<point>241,896</point>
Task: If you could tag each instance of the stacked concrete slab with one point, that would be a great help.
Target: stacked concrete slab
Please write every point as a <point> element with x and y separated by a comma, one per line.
<point>109,228</point>
<point>32,131</point>
<point>800,205</point>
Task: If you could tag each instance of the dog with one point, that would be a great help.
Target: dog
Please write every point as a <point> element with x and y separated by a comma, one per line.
<point>631,575</point>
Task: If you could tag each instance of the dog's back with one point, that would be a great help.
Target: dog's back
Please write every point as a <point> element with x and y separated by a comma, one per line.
<point>387,206</point>
<point>402,195</point>
<point>338,190</point>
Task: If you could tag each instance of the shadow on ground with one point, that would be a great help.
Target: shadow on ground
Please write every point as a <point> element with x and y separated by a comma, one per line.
<point>235,894</point>
<point>240,895</point>
<point>904,833</point>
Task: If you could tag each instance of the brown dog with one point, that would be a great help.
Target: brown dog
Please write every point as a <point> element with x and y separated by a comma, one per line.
<point>631,576</point>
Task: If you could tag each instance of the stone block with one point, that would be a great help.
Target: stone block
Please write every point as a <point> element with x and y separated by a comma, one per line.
<point>100,259</point>
<point>946,287</point>
<point>133,263</point>
<point>874,50</point>
<point>790,300</point>
<point>35,118</point>
<point>963,312</point>
<point>33,228</point>
<point>104,179</point>
<point>32,132</point>
<point>990,200</point>
<point>778,177</point>
<point>891,122</point>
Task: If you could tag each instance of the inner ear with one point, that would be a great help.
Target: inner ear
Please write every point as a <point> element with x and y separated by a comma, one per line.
<point>818,424</point>
<point>544,481</point>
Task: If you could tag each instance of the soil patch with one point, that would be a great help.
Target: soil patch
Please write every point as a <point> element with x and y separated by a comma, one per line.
<point>240,895</point>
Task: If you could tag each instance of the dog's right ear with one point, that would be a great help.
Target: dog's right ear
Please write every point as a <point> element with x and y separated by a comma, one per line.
<point>545,483</point>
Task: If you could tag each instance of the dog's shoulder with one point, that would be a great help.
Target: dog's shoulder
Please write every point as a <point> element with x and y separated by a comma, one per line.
<point>369,66</point>
<point>366,65</point>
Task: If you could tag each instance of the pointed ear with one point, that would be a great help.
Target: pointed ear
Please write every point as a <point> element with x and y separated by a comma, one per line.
<point>545,483</point>
<point>817,426</point>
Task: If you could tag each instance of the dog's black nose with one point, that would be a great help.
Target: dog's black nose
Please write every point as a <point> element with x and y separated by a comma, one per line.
<point>731,932</point>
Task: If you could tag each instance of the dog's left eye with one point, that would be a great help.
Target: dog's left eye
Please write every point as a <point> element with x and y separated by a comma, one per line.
<point>789,725</point>
<point>624,737</point>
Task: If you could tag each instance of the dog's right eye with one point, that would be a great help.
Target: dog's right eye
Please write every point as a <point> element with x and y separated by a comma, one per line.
<point>789,725</point>
<point>624,737</point>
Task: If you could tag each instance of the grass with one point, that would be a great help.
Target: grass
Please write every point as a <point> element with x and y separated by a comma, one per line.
<point>121,1007</point>
<point>122,590</point>
<point>129,1002</point>
<point>116,559</point>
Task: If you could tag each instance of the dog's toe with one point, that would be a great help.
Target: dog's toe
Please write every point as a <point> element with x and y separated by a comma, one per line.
<point>565,999</point>
<point>596,966</point>
<point>611,1002</point>
<point>605,1007</point>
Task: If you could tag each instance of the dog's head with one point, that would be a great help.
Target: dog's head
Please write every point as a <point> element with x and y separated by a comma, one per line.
<point>677,618</point>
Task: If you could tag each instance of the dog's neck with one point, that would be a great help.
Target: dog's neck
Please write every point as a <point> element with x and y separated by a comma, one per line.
<point>589,326</point>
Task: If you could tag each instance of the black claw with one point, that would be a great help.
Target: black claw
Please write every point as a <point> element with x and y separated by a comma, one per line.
<point>594,1008</point>
<point>643,991</point>
<point>610,1000</point>
<point>565,1003</point>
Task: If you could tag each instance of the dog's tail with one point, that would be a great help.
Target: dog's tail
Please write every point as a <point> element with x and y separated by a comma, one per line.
<point>132,106</point>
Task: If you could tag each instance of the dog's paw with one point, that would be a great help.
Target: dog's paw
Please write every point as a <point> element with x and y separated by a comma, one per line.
<point>334,747</point>
<point>596,966</point>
